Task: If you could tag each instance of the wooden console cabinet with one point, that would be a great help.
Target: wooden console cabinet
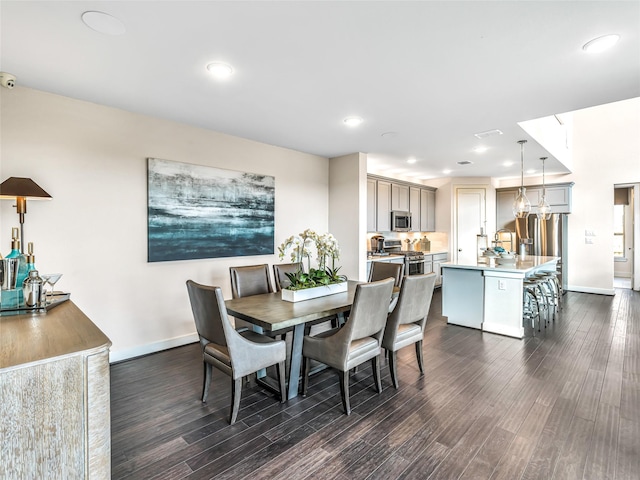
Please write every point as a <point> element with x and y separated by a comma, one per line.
<point>54,396</point>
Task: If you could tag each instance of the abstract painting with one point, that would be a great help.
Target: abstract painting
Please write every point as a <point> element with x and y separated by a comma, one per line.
<point>196,211</point>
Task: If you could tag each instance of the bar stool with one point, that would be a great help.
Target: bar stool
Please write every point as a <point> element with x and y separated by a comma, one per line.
<point>550,290</point>
<point>534,302</point>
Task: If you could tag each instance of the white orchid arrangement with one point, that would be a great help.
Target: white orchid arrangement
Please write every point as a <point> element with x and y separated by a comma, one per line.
<point>300,247</point>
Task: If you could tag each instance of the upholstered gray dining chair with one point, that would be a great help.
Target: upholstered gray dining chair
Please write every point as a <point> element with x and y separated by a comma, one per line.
<point>357,341</point>
<point>235,354</point>
<point>279,274</point>
<point>407,320</point>
<point>246,281</point>
<point>380,270</point>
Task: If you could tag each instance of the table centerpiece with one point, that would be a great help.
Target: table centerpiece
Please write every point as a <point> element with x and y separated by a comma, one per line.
<point>315,282</point>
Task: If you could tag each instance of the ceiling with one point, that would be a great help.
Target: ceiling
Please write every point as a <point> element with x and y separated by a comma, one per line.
<point>429,74</point>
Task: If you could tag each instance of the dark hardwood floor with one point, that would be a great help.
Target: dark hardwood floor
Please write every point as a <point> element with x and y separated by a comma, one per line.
<point>561,405</point>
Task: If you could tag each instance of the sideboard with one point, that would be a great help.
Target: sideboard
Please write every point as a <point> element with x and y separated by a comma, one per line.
<point>54,396</point>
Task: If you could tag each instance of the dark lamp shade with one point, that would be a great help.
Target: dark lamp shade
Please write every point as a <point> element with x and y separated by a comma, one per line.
<point>14,187</point>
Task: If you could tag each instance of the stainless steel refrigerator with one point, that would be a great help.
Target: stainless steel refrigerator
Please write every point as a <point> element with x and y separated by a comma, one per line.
<point>546,238</point>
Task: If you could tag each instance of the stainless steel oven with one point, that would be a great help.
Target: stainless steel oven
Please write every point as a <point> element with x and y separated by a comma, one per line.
<point>413,263</point>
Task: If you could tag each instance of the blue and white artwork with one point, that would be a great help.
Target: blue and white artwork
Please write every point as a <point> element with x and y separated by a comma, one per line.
<point>204,212</point>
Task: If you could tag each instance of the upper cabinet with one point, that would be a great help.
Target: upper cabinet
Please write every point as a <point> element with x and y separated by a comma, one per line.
<point>399,197</point>
<point>558,196</point>
<point>385,194</point>
<point>427,210</point>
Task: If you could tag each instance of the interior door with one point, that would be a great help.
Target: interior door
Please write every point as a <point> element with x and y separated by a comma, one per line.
<point>470,217</point>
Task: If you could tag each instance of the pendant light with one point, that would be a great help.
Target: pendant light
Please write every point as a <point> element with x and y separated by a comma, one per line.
<point>521,206</point>
<point>544,209</point>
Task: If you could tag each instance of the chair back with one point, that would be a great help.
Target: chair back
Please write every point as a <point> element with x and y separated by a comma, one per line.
<point>414,300</point>
<point>250,280</point>
<point>370,308</point>
<point>209,313</point>
<point>381,270</point>
<point>279,274</point>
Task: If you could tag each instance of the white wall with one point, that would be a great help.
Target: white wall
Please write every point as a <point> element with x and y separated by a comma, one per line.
<point>92,160</point>
<point>348,211</point>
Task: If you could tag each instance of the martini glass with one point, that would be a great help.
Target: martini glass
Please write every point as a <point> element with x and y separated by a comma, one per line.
<point>52,279</point>
<point>45,278</point>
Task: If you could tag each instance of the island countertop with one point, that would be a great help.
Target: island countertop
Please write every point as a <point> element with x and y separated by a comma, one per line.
<point>523,265</point>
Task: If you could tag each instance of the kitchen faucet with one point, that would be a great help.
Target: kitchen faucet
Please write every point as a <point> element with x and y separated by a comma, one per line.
<point>497,237</point>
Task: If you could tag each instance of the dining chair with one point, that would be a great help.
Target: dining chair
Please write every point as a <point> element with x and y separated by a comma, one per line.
<point>380,270</point>
<point>357,341</point>
<point>249,280</point>
<point>406,323</point>
<point>279,274</point>
<point>235,354</point>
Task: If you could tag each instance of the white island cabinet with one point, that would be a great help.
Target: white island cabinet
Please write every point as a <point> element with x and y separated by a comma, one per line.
<point>488,297</point>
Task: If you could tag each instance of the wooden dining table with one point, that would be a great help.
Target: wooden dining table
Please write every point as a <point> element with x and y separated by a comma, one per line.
<point>273,314</point>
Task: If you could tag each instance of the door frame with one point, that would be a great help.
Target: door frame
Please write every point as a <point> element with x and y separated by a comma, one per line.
<point>454,226</point>
<point>635,273</point>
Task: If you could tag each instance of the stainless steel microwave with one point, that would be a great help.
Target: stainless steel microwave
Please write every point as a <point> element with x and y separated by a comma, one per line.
<point>400,221</point>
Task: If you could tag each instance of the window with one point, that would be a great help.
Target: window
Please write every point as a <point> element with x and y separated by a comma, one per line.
<point>618,231</point>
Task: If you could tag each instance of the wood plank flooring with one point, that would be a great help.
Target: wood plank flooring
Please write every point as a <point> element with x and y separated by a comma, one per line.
<point>564,404</point>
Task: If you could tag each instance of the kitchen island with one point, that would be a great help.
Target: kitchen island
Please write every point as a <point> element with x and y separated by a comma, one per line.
<point>488,296</point>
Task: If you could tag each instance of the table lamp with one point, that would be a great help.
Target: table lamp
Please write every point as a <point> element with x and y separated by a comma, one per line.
<point>20,189</point>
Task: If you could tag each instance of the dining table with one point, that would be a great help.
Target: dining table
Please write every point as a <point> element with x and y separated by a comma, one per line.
<point>273,314</point>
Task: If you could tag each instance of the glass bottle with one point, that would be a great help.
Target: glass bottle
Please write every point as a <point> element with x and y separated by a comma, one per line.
<point>30,258</point>
<point>14,297</point>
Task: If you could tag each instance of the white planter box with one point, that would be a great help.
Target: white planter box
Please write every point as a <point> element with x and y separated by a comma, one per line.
<point>315,292</point>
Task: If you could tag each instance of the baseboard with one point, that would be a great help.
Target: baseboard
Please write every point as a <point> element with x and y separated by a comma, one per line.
<point>598,291</point>
<point>508,330</point>
<point>129,353</point>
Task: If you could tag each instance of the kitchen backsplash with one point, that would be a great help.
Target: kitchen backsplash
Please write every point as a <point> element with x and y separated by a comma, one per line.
<point>439,240</point>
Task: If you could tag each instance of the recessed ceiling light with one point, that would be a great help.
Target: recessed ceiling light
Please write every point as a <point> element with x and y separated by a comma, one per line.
<point>601,44</point>
<point>103,23</point>
<point>508,163</point>
<point>220,70</point>
<point>353,121</point>
<point>446,171</point>
<point>412,160</point>
<point>480,149</point>
<point>531,170</point>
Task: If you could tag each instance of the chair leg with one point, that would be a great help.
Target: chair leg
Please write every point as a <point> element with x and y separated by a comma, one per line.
<point>306,366</point>
<point>236,392</point>
<point>207,380</point>
<point>419,356</point>
<point>283,388</point>
<point>344,391</point>
<point>375,366</point>
<point>393,369</point>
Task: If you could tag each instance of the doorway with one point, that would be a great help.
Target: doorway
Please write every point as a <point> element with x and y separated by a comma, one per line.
<point>626,234</point>
<point>471,216</point>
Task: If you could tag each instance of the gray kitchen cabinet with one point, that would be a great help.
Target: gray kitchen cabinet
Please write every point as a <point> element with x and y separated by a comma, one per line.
<point>386,194</point>
<point>414,208</point>
<point>428,263</point>
<point>399,197</point>
<point>438,258</point>
<point>558,196</point>
<point>371,205</point>
<point>383,206</point>
<point>504,209</point>
<point>427,210</point>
